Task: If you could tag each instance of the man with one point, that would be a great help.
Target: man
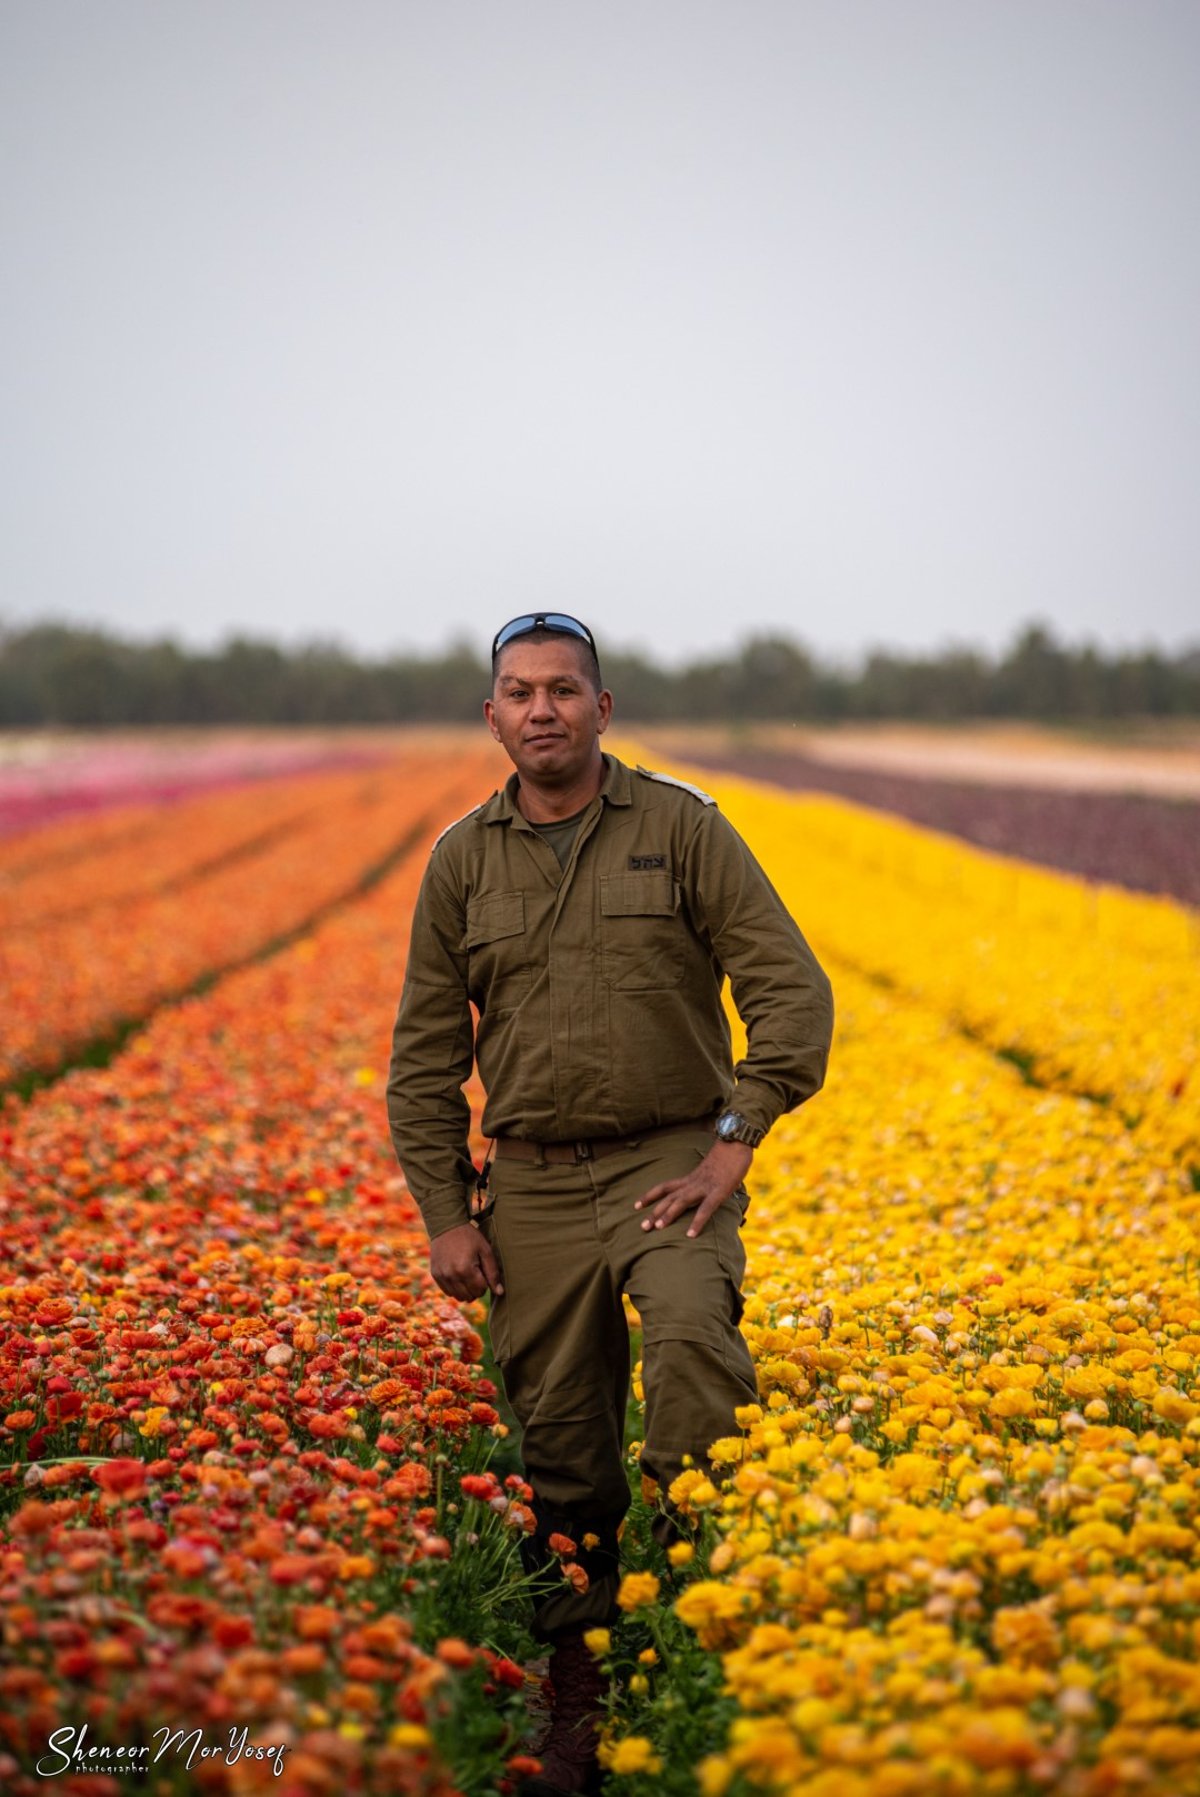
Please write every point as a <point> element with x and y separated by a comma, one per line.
<point>589,913</point>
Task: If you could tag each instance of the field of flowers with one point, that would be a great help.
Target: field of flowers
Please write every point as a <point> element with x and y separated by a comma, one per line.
<point>1144,840</point>
<point>46,777</point>
<point>190,890</point>
<point>254,1474</point>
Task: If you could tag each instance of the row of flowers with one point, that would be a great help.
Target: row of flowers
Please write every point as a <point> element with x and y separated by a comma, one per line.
<point>70,781</point>
<point>139,850</point>
<point>953,1550</point>
<point>1144,840</point>
<point>73,979</point>
<point>950,1551</point>
<point>1089,988</point>
<point>247,1443</point>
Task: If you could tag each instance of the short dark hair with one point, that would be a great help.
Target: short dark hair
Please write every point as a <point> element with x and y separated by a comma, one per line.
<point>586,655</point>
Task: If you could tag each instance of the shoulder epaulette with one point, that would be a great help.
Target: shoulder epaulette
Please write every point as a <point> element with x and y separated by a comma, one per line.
<point>473,812</point>
<point>697,792</point>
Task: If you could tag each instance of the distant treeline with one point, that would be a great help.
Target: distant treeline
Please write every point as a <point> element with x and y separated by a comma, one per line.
<point>58,674</point>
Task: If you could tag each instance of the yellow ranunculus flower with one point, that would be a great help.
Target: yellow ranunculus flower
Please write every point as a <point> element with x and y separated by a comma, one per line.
<point>636,1590</point>
<point>411,1735</point>
<point>634,1754</point>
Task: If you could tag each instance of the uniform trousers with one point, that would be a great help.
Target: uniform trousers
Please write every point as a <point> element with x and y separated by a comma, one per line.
<point>569,1243</point>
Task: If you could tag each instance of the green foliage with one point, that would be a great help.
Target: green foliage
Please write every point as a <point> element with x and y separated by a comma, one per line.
<point>665,1689</point>
<point>60,675</point>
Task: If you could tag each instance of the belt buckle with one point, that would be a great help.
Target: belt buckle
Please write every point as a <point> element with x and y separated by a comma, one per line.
<point>583,1151</point>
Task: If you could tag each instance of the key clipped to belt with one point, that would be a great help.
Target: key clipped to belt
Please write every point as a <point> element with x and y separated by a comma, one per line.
<point>482,1204</point>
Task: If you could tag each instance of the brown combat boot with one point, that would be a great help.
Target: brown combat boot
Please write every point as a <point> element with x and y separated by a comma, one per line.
<point>568,1754</point>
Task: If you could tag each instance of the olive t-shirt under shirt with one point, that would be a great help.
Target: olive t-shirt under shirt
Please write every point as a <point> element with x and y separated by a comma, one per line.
<point>561,835</point>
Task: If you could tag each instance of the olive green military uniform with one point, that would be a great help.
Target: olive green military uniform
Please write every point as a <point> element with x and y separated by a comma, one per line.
<point>605,1054</point>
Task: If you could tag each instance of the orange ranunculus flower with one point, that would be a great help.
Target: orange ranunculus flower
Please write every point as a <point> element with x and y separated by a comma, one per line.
<point>562,1544</point>
<point>302,1660</point>
<point>365,1667</point>
<point>356,1566</point>
<point>121,1478</point>
<point>391,1634</point>
<point>412,1479</point>
<point>361,1698</point>
<point>385,1390</point>
<point>316,1622</point>
<point>453,1652</point>
<point>33,1518</point>
<point>292,1569</point>
<point>326,1428</point>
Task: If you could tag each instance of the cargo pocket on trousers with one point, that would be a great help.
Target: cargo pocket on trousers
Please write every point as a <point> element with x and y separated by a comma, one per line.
<point>726,1225</point>
<point>572,1446</point>
<point>731,1250</point>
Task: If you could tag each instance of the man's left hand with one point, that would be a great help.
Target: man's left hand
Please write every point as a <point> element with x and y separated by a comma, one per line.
<point>719,1175</point>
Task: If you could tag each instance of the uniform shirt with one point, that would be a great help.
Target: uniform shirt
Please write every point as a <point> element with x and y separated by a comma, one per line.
<point>597,987</point>
<point>561,836</point>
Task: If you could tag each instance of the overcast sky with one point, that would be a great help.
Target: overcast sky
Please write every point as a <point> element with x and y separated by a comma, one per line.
<point>874,324</point>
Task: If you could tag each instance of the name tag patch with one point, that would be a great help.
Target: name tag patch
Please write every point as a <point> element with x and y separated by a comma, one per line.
<point>643,863</point>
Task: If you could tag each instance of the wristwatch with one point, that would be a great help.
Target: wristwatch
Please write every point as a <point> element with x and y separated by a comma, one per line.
<point>731,1126</point>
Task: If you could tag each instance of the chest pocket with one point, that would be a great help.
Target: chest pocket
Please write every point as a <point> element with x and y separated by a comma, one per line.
<point>499,975</point>
<point>641,931</point>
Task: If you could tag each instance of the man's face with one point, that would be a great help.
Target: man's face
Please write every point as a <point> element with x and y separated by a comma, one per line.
<point>545,710</point>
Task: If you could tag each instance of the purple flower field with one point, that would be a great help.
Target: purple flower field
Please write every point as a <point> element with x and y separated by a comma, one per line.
<point>1138,840</point>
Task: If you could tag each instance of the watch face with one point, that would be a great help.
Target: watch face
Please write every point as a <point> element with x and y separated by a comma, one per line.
<point>728,1122</point>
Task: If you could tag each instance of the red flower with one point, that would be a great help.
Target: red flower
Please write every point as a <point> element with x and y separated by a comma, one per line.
<point>121,1478</point>
<point>61,1409</point>
<point>483,1486</point>
<point>507,1672</point>
<point>233,1631</point>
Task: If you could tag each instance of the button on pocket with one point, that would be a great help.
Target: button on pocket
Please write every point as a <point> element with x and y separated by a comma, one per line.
<point>641,931</point>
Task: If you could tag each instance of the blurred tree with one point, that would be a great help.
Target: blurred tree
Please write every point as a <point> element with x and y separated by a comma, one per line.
<point>59,674</point>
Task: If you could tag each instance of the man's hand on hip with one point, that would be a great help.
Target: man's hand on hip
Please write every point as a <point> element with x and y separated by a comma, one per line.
<point>462,1263</point>
<point>719,1174</point>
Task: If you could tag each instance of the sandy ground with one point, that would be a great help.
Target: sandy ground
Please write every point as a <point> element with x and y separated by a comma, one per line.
<point>1163,760</point>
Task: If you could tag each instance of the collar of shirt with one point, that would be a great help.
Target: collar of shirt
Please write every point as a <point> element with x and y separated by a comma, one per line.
<point>501,808</point>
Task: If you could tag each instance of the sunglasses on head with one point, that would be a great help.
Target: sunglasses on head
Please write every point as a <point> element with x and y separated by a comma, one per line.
<point>542,620</point>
